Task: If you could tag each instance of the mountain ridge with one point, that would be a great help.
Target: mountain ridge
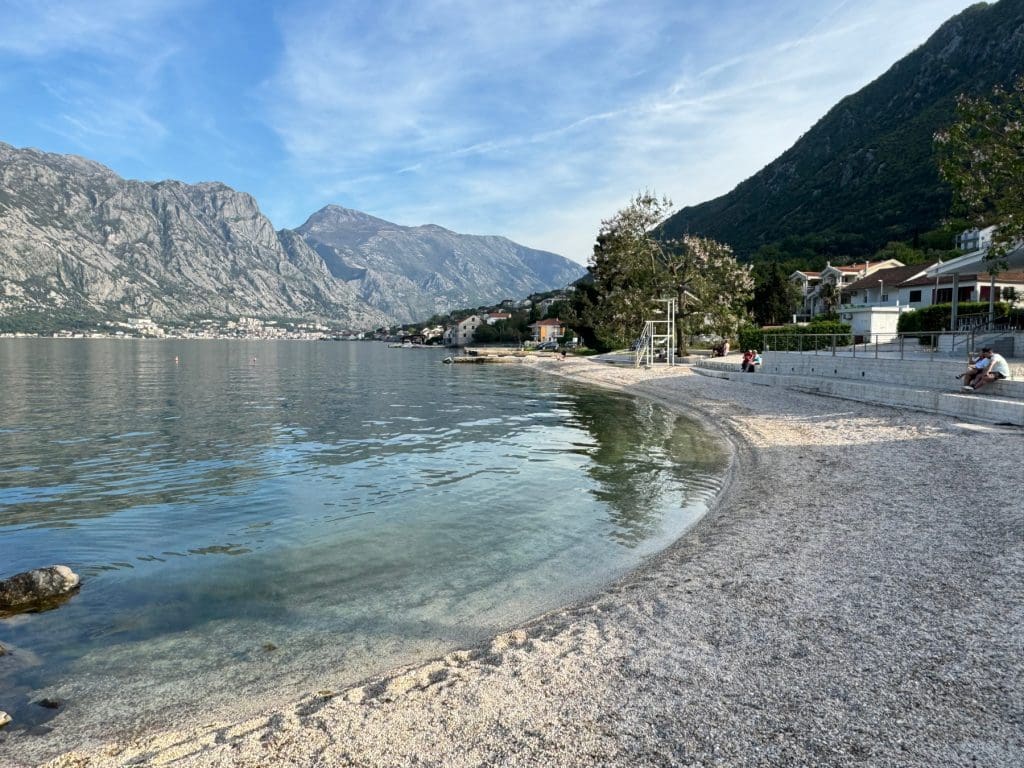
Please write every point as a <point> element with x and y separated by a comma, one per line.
<point>79,240</point>
<point>435,269</point>
<point>865,173</point>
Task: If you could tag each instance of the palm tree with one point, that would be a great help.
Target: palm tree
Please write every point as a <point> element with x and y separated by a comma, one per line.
<point>829,295</point>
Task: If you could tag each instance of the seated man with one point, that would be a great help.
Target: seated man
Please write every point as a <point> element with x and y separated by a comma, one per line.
<point>997,369</point>
<point>979,364</point>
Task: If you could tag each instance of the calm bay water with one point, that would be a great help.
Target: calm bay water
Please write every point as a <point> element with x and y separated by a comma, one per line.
<point>255,520</point>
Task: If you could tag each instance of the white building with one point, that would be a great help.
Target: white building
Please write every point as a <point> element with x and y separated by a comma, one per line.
<point>461,334</point>
<point>975,239</point>
<point>873,304</point>
<point>840,278</point>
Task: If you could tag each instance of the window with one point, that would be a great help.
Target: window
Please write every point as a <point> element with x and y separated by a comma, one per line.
<point>915,296</point>
<point>985,292</point>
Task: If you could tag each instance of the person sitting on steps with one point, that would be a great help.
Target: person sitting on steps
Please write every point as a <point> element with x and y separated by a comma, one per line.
<point>974,368</point>
<point>997,369</point>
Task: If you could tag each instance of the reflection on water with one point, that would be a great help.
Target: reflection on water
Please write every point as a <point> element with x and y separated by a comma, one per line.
<point>259,519</point>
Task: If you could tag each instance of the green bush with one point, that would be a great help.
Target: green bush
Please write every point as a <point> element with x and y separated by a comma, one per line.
<point>815,335</point>
<point>937,316</point>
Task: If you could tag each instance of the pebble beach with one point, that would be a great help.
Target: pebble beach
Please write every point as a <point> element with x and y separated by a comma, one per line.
<point>852,598</point>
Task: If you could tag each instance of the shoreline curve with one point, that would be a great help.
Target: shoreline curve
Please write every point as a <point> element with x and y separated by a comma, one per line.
<point>841,602</point>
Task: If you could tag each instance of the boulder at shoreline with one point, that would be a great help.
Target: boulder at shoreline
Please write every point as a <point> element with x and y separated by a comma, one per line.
<point>38,589</point>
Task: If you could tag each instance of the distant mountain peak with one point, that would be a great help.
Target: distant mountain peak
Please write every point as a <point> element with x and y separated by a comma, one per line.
<point>414,272</point>
<point>77,239</point>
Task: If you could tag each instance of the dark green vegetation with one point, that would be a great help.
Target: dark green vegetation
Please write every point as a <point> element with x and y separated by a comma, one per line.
<point>775,296</point>
<point>866,173</point>
<point>937,316</point>
<point>820,334</point>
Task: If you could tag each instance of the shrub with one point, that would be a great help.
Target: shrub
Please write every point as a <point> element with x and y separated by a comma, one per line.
<point>816,335</point>
<point>936,317</point>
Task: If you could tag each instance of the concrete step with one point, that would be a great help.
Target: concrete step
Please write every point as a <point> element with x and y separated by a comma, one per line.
<point>911,373</point>
<point>980,406</point>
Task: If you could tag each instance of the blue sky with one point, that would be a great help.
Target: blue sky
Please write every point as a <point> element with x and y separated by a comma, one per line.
<point>533,120</point>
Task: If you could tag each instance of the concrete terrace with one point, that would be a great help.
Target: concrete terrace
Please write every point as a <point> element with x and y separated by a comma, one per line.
<point>919,382</point>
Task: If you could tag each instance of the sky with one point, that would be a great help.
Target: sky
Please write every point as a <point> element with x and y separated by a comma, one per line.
<point>532,120</point>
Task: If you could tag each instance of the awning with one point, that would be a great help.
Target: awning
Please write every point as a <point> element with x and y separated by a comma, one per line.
<point>974,263</point>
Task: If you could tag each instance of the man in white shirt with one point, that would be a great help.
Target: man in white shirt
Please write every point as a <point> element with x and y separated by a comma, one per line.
<point>997,369</point>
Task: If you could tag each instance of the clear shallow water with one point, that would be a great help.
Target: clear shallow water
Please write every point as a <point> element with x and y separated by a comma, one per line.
<point>255,520</point>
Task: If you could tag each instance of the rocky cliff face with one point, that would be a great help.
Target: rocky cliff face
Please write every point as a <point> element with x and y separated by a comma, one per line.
<point>79,241</point>
<point>75,237</point>
<point>866,172</point>
<point>415,272</point>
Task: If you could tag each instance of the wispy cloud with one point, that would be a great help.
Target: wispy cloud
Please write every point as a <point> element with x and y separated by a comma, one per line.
<point>526,118</point>
<point>533,118</point>
<point>50,27</point>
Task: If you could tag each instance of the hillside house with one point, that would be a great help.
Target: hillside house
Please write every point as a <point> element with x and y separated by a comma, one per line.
<point>545,305</point>
<point>975,239</point>
<point>461,334</point>
<point>549,329</point>
<point>841,277</point>
<point>808,283</point>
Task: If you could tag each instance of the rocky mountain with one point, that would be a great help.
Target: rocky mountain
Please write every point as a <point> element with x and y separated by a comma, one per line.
<point>420,271</point>
<point>79,242</point>
<point>866,174</point>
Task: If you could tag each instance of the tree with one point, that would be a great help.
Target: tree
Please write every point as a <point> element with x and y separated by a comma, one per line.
<point>624,267</point>
<point>982,157</point>
<point>485,334</point>
<point>711,289</point>
<point>829,294</point>
<point>775,295</point>
<point>632,269</point>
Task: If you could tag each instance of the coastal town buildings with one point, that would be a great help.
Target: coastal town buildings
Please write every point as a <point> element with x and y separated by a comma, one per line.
<point>821,291</point>
<point>873,304</point>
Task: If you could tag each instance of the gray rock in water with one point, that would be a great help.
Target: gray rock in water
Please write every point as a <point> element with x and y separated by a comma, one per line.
<point>39,589</point>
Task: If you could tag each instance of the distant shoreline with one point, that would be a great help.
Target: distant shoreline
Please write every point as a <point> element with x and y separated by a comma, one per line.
<point>844,602</point>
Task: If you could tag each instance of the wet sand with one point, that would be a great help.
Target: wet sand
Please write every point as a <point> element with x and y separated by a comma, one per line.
<point>846,601</point>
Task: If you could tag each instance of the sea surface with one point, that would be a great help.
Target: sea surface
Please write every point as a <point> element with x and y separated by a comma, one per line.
<point>256,520</point>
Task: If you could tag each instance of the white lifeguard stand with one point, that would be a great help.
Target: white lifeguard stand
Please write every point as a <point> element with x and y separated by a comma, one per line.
<point>657,334</point>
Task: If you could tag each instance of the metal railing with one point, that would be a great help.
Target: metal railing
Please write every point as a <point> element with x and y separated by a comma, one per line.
<point>922,345</point>
<point>645,346</point>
